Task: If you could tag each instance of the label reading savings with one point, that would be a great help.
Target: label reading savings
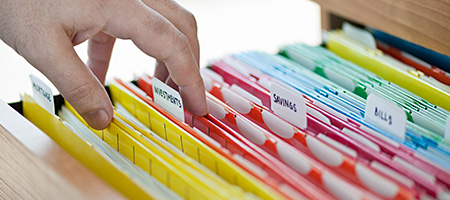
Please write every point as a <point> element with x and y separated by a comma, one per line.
<point>288,104</point>
<point>168,98</point>
<point>385,115</point>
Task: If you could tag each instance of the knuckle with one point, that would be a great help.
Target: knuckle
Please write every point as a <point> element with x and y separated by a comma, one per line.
<point>179,45</point>
<point>101,38</point>
<point>181,42</point>
<point>188,24</point>
<point>191,22</point>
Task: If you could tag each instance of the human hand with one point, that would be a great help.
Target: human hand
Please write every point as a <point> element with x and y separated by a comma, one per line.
<point>44,32</point>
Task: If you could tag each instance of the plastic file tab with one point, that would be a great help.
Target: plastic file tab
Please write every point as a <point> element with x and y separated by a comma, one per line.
<point>191,146</point>
<point>288,104</point>
<point>168,98</point>
<point>386,114</point>
<point>42,94</point>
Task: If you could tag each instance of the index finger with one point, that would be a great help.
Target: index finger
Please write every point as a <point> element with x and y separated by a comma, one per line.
<point>159,38</point>
<point>181,18</point>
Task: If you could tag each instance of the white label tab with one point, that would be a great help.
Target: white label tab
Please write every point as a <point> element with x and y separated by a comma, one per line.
<point>168,98</point>
<point>447,131</point>
<point>42,94</point>
<point>288,103</point>
<point>361,35</point>
<point>385,115</point>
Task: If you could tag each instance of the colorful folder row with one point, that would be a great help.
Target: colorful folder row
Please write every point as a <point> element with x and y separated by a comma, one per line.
<point>246,148</point>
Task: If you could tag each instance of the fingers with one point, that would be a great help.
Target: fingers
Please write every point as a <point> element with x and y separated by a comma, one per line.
<point>182,19</point>
<point>157,37</point>
<point>99,53</point>
<point>56,59</point>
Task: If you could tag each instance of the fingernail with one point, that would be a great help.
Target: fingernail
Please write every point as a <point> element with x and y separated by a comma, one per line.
<point>98,119</point>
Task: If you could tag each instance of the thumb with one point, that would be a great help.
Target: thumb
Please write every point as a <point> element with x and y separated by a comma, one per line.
<point>58,61</point>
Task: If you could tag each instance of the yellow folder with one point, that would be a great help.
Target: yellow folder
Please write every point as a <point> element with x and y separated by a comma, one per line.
<point>80,150</point>
<point>145,134</point>
<point>181,178</point>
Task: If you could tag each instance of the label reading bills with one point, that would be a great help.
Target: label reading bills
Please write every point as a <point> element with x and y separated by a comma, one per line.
<point>385,115</point>
<point>168,98</point>
<point>288,103</point>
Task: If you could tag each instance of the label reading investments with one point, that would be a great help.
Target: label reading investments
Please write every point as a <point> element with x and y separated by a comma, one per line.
<point>385,115</point>
<point>288,103</point>
<point>168,98</point>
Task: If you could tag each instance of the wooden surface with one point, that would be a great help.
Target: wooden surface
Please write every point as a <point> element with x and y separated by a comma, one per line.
<point>32,166</point>
<point>424,22</point>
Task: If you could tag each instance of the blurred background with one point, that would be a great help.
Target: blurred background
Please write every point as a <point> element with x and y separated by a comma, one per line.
<point>224,27</point>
